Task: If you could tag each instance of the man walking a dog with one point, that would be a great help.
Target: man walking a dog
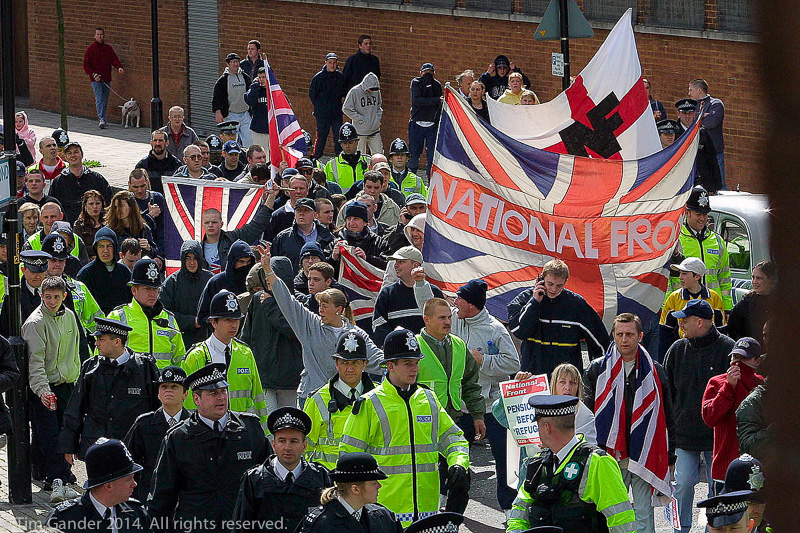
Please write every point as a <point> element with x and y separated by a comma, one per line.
<point>97,63</point>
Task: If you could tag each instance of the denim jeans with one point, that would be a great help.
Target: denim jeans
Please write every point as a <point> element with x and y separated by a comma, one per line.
<point>325,125</point>
<point>687,475</point>
<point>419,138</point>
<point>245,137</point>
<point>721,163</point>
<point>101,92</point>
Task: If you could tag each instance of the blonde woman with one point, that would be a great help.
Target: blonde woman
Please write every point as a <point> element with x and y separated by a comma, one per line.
<point>318,333</point>
<point>566,380</point>
<point>351,505</point>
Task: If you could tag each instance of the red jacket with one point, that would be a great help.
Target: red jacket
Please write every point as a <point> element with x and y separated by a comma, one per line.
<point>98,59</point>
<point>719,412</point>
<point>50,176</point>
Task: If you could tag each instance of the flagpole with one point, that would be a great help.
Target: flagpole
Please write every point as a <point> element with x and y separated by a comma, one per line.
<point>563,7</point>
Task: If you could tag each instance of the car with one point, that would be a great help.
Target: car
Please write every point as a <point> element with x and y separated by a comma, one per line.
<point>743,221</point>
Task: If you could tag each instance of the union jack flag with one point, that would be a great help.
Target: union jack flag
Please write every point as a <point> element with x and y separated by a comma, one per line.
<point>500,209</point>
<point>187,200</point>
<point>361,283</point>
<point>647,449</point>
<point>286,141</point>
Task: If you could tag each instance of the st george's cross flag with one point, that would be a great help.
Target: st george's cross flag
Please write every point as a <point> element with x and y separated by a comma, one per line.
<point>286,141</point>
<point>604,113</point>
<point>187,200</point>
<point>500,209</point>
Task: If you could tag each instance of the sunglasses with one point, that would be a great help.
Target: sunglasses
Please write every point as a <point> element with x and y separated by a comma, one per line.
<point>195,157</point>
<point>307,171</point>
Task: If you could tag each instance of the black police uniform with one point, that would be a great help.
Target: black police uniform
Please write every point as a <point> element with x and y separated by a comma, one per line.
<point>106,461</point>
<point>107,397</point>
<point>147,433</point>
<point>264,496</point>
<point>198,471</point>
<point>35,261</point>
<point>333,517</point>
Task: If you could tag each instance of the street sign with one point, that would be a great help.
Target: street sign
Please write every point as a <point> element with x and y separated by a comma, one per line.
<point>5,179</point>
<point>550,27</point>
<point>558,64</point>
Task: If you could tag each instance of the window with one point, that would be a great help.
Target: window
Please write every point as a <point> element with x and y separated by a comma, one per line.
<point>737,242</point>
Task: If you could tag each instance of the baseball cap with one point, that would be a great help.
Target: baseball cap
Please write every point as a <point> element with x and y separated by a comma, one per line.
<point>699,308</point>
<point>407,252</point>
<point>415,198</point>
<point>231,147</point>
<point>427,66</point>
<point>232,56</point>
<point>747,347</point>
<point>308,203</point>
<point>383,165</point>
<point>331,55</point>
<point>691,264</point>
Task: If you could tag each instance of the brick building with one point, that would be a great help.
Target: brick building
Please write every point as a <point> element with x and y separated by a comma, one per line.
<point>678,40</point>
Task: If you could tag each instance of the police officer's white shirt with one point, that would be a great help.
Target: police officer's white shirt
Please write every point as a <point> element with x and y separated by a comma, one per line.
<point>349,508</point>
<point>281,471</point>
<point>344,388</point>
<point>102,510</point>
<point>177,418</point>
<point>122,359</point>
<point>210,423</point>
<point>217,349</point>
<point>563,452</point>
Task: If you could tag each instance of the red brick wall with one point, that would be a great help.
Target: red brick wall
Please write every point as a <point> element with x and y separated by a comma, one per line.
<point>127,27</point>
<point>296,37</point>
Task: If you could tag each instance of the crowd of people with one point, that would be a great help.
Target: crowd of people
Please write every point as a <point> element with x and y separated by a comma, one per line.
<point>241,388</point>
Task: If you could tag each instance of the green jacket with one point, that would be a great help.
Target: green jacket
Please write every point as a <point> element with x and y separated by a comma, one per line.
<point>455,364</point>
<point>406,437</point>
<point>714,254</point>
<point>85,305</point>
<point>244,390</point>
<point>53,343</point>
<point>162,342</point>
<point>599,488</point>
<point>412,183</point>
<point>338,170</point>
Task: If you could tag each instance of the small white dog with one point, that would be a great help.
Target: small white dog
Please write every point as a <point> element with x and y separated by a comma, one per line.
<point>131,112</point>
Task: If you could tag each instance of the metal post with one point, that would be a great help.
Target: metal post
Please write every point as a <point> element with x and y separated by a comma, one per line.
<point>62,68</point>
<point>19,472</point>
<point>563,7</point>
<point>156,109</point>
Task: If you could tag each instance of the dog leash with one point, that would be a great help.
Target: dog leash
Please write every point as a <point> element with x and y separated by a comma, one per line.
<point>115,92</point>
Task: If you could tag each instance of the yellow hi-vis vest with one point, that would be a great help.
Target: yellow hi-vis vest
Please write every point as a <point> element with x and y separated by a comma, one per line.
<point>163,343</point>
<point>433,374</point>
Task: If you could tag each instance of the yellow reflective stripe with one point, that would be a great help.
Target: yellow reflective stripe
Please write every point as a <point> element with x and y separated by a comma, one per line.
<point>354,442</point>
<point>402,450</point>
<point>236,394</point>
<point>386,427</point>
<point>408,469</point>
<point>161,355</point>
<point>618,508</point>
<point>547,343</point>
<point>623,528</point>
<point>323,413</point>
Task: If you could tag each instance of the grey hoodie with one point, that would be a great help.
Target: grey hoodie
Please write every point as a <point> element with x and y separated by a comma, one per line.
<point>318,340</point>
<point>364,108</point>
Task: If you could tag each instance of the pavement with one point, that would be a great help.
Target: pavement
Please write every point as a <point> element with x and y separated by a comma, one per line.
<point>118,150</point>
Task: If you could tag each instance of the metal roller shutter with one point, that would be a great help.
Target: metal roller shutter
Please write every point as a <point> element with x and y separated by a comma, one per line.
<point>204,63</point>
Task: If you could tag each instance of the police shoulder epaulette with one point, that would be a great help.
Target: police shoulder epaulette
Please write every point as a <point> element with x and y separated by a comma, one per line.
<point>245,414</point>
<point>314,513</point>
<point>63,506</point>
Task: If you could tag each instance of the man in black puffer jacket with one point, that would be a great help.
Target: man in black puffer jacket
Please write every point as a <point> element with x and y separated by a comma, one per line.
<point>290,242</point>
<point>326,92</point>
<point>373,249</point>
<point>181,291</point>
<point>689,364</point>
<point>239,261</point>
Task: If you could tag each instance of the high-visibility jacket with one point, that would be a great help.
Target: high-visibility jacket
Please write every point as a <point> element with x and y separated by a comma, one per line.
<point>160,338</point>
<point>244,385</point>
<point>327,421</point>
<point>714,254</point>
<point>434,375</point>
<point>35,242</point>
<point>592,497</point>
<point>412,183</point>
<point>406,434</point>
<point>86,306</point>
<point>340,171</point>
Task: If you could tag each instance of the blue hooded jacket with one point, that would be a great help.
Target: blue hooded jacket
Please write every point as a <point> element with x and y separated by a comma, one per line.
<point>231,279</point>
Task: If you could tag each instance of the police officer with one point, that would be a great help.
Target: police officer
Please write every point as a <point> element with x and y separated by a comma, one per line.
<point>155,331</point>
<point>34,270</point>
<point>147,433</point>
<point>229,131</point>
<point>706,165</point>
<point>349,166</point>
<point>571,484</point>
<point>420,430</point>
<point>698,240</point>
<point>62,140</point>
<point>112,390</point>
<point>202,459</point>
<point>351,506</point>
<point>727,512</point>
<point>286,485</point>
<point>667,131</point>
<point>331,404</point>
<point>747,473</point>
<point>215,145</point>
<point>244,384</point>
<point>106,505</point>
<point>409,182</point>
